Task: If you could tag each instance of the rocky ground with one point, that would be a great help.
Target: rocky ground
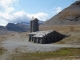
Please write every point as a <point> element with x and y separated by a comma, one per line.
<point>18,42</point>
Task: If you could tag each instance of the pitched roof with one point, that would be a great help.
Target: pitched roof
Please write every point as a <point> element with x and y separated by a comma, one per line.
<point>41,33</point>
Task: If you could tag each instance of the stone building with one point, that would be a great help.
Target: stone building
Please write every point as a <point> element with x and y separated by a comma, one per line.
<point>34,25</point>
<point>42,37</point>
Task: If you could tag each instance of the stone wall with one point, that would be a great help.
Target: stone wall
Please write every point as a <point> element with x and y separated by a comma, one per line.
<point>49,38</point>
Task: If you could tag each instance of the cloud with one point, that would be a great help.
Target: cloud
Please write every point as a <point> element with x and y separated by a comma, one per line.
<point>3,22</point>
<point>4,4</point>
<point>41,16</point>
<point>21,16</point>
<point>9,10</point>
<point>57,10</point>
<point>8,14</point>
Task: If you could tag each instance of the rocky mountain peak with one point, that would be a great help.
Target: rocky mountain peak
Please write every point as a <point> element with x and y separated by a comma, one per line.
<point>76,3</point>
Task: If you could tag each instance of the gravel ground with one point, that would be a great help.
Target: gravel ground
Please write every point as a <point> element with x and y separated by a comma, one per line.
<point>25,46</point>
<point>20,43</point>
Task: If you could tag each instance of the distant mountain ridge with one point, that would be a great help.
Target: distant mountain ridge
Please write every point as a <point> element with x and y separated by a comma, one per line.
<point>3,28</point>
<point>68,16</point>
<point>18,27</point>
<point>15,27</point>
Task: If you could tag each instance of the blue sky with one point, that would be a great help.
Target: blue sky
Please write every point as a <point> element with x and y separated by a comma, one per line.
<point>46,6</point>
<point>43,5</point>
<point>15,11</point>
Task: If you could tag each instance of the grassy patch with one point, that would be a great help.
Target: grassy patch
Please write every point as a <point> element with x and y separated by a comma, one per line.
<point>2,50</point>
<point>63,52</point>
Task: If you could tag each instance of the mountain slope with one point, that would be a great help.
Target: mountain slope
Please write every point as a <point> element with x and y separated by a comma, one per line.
<point>3,30</point>
<point>15,27</point>
<point>68,16</point>
<point>18,27</point>
<point>11,28</point>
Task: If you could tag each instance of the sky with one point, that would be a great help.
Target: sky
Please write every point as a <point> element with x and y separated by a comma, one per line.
<point>16,11</point>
